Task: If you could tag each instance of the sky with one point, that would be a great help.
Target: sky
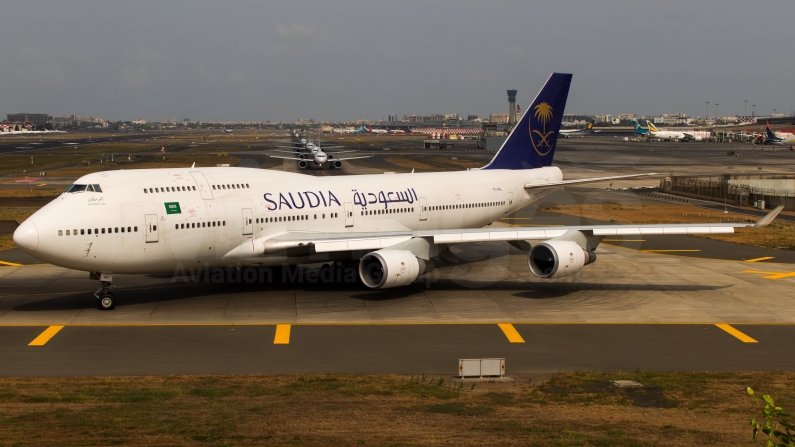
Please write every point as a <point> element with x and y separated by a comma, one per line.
<point>349,60</point>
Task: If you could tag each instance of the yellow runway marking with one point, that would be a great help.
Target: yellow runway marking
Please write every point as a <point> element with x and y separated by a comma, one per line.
<point>43,184</point>
<point>511,333</point>
<point>772,275</point>
<point>282,335</point>
<point>516,218</point>
<point>669,251</point>
<point>623,240</point>
<point>737,334</point>
<point>45,336</point>
<point>12,264</point>
<point>760,259</point>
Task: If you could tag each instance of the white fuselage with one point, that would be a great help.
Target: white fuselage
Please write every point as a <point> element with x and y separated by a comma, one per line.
<point>159,220</point>
<point>785,137</point>
<point>668,135</point>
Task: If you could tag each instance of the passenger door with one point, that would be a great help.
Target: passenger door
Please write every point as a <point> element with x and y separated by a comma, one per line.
<point>423,209</point>
<point>348,214</point>
<point>151,227</point>
<point>248,225</point>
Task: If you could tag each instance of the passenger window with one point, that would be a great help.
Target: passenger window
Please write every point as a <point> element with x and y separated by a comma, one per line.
<point>145,191</point>
<point>194,188</point>
<point>134,229</point>
<point>60,232</point>
<point>128,229</point>
<point>122,229</point>
<point>247,185</point>
<point>213,186</point>
<point>89,231</point>
<point>116,229</point>
<point>103,231</point>
<point>83,232</point>
<point>176,226</point>
<point>154,227</point>
<point>224,222</point>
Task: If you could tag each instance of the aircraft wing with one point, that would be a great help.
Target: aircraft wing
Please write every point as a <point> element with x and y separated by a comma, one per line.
<point>303,242</point>
<point>542,185</point>
<point>288,158</point>
<point>349,158</point>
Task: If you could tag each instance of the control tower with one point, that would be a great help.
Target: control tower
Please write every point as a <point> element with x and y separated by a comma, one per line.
<point>512,105</point>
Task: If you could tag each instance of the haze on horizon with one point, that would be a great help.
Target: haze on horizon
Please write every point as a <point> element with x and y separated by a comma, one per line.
<point>348,60</point>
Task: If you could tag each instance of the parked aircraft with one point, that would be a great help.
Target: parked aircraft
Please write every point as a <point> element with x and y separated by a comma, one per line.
<point>577,132</point>
<point>654,132</point>
<point>166,220</point>
<point>778,137</point>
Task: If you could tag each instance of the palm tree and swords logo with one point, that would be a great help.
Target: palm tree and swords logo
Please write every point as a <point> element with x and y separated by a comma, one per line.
<point>543,115</point>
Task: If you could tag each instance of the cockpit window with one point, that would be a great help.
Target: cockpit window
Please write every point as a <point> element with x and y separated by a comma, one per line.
<point>80,188</point>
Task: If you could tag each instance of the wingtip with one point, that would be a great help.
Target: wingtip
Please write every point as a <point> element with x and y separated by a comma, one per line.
<point>765,221</point>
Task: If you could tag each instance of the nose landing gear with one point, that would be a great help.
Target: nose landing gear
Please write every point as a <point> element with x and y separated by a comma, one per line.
<point>106,300</point>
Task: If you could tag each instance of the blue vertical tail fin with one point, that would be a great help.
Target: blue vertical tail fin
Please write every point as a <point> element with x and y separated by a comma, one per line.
<point>770,135</point>
<point>531,143</point>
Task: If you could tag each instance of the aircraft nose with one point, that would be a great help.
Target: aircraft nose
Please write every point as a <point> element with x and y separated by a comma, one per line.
<point>27,236</point>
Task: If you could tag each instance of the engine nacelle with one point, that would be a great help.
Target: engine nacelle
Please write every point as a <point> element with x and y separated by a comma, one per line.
<point>303,164</point>
<point>556,259</point>
<point>336,164</point>
<point>383,269</point>
<point>330,156</point>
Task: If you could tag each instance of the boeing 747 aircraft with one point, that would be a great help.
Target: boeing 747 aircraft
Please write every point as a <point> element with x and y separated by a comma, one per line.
<point>163,220</point>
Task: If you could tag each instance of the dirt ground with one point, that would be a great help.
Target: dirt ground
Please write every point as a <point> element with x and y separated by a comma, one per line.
<point>576,409</point>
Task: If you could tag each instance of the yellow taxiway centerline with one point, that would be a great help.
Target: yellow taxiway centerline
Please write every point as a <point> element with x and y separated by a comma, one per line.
<point>45,336</point>
<point>282,336</point>
<point>735,333</point>
<point>623,240</point>
<point>772,275</point>
<point>11,264</point>
<point>669,251</point>
<point>511,333</point>
<point>760,259</point>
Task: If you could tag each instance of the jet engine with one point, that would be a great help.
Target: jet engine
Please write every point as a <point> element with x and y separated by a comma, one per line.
<point>330,156</point>
<point>556,259</point>
<point>336,164</point>
<point>303,164</point>
<point>384,269</point>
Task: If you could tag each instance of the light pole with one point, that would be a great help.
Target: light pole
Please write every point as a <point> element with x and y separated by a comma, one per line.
<point>753,110</point>
<point>716,113</point>
<point>705,119</point>
<point>745,107</point>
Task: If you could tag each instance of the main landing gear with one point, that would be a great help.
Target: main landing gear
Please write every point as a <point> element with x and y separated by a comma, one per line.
<point>106,300</point>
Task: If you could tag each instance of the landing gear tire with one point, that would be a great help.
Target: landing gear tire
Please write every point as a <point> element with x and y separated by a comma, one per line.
<point>106,301</point>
